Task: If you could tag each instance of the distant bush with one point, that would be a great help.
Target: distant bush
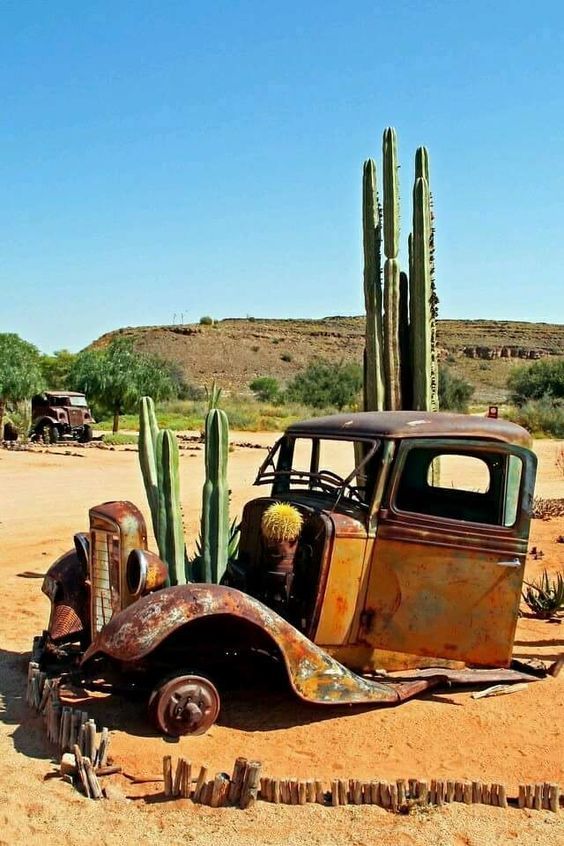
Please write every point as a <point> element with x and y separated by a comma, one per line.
<point>324,384</point>
<point>120,439</point>
<point>454,392</point>
<point>540,417</point>
<point>265,388</point>
<point>206,320</point>
<point>542,380</point>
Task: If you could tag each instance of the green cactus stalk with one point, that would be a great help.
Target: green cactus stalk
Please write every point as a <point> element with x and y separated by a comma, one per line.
<point>374,394</point>
<point>215,498</point>
<point>148,431</point>
<point>391,271</point>
<point>405,342</point>
<point>420,298</point>
<point>170,532</point>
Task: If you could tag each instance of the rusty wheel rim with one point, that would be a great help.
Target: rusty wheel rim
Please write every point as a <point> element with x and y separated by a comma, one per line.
<point>184,705</point>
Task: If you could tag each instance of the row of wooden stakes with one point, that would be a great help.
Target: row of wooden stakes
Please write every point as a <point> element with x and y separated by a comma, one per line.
<point>246,786</point>
<point>70,729</point>
<point>241,789</point>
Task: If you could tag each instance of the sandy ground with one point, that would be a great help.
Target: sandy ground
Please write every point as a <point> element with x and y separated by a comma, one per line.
<point>44,499</point>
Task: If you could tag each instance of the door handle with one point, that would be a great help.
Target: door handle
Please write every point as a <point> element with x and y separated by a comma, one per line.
<point>513,562</point>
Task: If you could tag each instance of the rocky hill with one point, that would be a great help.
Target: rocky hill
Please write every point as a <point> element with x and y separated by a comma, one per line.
<point>236,350</point>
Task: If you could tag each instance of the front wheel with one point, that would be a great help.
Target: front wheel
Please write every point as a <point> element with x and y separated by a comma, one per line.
<point>86,435</point>
<point>184,704</point>
<point>49,433</point>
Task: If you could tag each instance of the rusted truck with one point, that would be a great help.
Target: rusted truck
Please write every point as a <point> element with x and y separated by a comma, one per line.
<point>61,414</point>
<point>407,572</point>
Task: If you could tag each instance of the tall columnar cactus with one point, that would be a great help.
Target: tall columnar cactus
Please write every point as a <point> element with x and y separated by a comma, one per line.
<point>159,460</point>
<point>391,270</point>
<point>215,499</point>
<point>420,297</point>
<point>374,395</point>
<point>401,357</point>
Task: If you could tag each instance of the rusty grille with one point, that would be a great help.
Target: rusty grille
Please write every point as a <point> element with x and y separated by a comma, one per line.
<point>104,577</point>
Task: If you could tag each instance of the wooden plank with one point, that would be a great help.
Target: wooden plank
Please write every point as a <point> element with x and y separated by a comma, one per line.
<point>79,762</point>
<point>285,798</point>
<point>90,740</point>
<point>319,792</point>
<point>366,793</point>
<point>343,791</point>
<point>93,782</point>
<point>355,788</point>
<point>310,790</point>
<point>294,791</point>
<point>218,789</point>
<point>529,795</point>
<point>302,792</point>
<point>394,797</point>
<point>186,780</point>
<point>65,729</point>
<point>501,796</point>
<point>402,790</point>
<point>477,792</point>
<point>554,797</point>
<point>423,793</point>
<point>486,794</point>
<point>335,797</point>
<point>102,755</point>
<point>375,792</point>
<point>467,793</point>
<point>522,801</point>
<point>537,797</point>
<point>275,790</point>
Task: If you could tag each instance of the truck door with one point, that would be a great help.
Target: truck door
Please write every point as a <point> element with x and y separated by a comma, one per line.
<point>449,556</point>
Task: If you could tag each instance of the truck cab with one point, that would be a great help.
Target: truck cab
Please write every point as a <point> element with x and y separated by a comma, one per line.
<point>415,531</point>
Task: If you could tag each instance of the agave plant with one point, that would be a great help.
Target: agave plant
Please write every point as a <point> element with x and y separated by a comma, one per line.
<point>546,596</point>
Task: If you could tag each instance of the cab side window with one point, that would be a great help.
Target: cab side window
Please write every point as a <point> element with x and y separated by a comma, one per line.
<point>472,486</point>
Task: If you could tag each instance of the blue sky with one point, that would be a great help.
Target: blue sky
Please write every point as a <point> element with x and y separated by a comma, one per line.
<point>159,158</point>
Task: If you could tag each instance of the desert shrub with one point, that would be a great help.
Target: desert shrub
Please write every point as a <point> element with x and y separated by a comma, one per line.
<point>327,385</point>
<point>120,439</point>
<point>206,320</point>
<point>546,509</point>
<point>265,388</point>
<point>542,380</point>
<point>545,597</point>
<point>540,417</point>
<point>454,392</point>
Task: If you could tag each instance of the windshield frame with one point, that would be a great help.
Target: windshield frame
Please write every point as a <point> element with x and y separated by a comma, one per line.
<point>277,469</point>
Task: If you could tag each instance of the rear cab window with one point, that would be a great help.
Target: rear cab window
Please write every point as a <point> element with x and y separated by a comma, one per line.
<point>463,483</point>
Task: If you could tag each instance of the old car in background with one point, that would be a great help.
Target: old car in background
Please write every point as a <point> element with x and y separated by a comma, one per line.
<point>411,554</point>
<point>61,414</point>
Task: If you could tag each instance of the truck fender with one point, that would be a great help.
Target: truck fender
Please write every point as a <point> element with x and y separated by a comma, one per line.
<point>135,632</point>
<point>65,586</point>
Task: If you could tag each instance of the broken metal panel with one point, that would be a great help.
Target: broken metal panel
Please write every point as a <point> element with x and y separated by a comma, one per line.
<point>64,584</point>
<point>137,631</point>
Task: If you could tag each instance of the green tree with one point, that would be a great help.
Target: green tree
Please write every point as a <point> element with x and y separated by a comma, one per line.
<point>56,368</point>
<point>265,388</point>
<point>117,376</point>
<point>324,384</point>
<point>454,392</point>
<point>542,380</point>
<point>20,373</point>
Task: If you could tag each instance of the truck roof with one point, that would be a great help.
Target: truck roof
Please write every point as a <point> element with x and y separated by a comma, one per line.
<point>411,424</point>
<point>63,393</point>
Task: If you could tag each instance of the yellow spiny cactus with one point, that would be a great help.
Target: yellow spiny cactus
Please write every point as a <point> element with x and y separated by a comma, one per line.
<point>281,522</point>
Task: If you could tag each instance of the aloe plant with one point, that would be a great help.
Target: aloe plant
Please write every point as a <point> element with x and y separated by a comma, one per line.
<point>546,596</point>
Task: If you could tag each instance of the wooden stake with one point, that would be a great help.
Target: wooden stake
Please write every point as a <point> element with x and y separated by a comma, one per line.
<point>202,777</point>
<point>366,793</point>
<point>93,782</point>
<point>90,740</point>
<point>441,793</point>
<point>310,790</point>
<point>501,796</point>
<point>186,780</point>
<point>167,775</point>
<point>522,796</point>
<point>385,794</point>
<point>275,790</point>
<point>477,792</point>
<point>394,797</point>
<point>81,771</point>
<point>285,791</point>
<point>554,797</point>
<point>302,792</point>
<point>335,799</point>
<point>178,777</point>
<point>375,792</point>
<point>529,796</point>
<point>402,790</point>
<point>449,797</point>
<point>356,791</point>
<point>239,769</point>
<point>319,792</point>
<point>250,785</point>
<point>294,791</point>
<point>102,755</point>
<point>486,794</point>
<point>423,793</point>
<point>65,729</point>
<point>467,793</point>
<point>219,786</point>
<point>537,798</point>
<point>494,796</point>
<point>343,791</point>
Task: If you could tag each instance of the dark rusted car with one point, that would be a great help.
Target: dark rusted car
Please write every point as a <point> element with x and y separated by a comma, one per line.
<point>61,414</point>
<point>411,556</point>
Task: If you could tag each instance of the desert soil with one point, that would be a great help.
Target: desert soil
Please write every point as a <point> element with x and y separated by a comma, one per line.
<point>44,499</point>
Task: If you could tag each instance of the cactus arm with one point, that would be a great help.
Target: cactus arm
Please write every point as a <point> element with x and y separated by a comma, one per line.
<point>374,397</point>
<point>405,343</point>
<point>171,535</point>
<point>215,497</point>
<point>148,431</point>
<point>391,193</point>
